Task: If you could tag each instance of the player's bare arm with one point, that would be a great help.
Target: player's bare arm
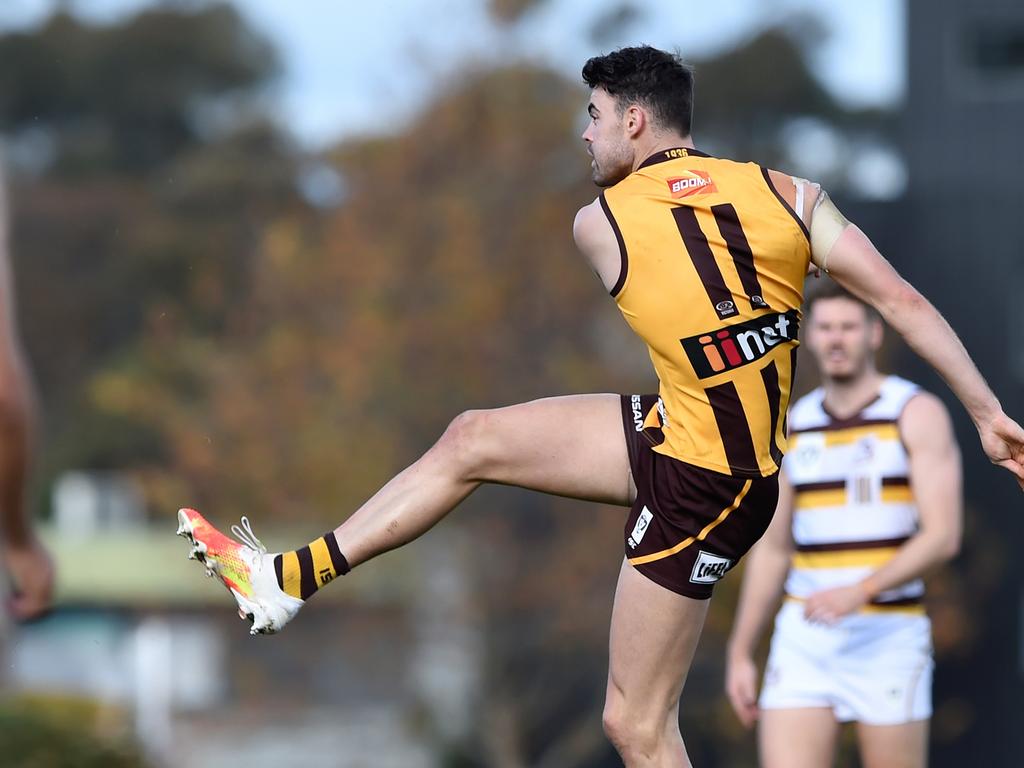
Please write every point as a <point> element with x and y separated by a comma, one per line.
<point>26,560</point>
<point>845,252</point>
<point>935,479</point>
<point>763,577</point>
<point>596,240</point>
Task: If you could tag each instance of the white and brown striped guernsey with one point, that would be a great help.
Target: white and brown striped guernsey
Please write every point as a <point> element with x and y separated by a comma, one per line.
<point>853,505</point>
<point>713,265</point>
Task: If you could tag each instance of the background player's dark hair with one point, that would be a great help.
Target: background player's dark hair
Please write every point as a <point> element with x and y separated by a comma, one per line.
<point>642,74</point>
<point>827,288</point>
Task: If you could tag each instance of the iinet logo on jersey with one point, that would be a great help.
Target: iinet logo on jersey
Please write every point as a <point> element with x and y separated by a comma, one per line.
<point>693,183</point>
<point>740,344</point>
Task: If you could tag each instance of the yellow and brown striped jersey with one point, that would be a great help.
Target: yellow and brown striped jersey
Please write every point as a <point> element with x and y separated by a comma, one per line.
<point>853,506</point>
<point>713,266</point>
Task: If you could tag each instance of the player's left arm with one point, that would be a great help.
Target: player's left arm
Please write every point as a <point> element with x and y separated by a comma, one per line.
<point>935,479</point>
<point>845,252</point>
<point>596,240</point>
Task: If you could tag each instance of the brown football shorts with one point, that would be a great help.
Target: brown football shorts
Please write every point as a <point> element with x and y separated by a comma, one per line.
<point>688,525</point>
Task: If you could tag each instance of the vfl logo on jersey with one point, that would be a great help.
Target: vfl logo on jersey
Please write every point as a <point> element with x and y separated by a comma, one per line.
<point>693,183</point>
<point>740,344</point>
<point>640,528</point>
<point>709,568</point>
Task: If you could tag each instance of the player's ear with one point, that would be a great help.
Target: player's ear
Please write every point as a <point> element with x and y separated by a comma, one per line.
<point>635,119</point>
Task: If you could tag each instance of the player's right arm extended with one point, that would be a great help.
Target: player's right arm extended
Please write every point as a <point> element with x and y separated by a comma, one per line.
<point>844,251</point>
<point>764,574</point>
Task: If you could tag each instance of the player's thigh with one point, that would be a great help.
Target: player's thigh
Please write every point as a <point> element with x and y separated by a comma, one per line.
<point>797,738</point>
<point>894,746</point>
<point>654,633</point>
<point>570,446</point>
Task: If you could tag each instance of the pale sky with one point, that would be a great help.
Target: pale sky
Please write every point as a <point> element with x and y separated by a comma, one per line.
<point>351,67</point>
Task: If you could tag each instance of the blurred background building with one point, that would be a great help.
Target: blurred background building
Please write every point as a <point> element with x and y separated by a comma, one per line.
<point>263,258</point>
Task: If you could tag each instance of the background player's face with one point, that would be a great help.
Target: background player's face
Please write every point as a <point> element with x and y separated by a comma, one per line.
<point>607,140</point>
<point>843,337</point>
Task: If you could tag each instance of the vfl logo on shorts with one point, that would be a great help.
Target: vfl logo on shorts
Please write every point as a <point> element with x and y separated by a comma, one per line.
<point>740,344</point>
<point>709,568</point>
<point>640,528</point>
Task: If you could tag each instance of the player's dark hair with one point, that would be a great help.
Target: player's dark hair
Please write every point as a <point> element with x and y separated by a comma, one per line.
<point>827,288</point>
<point>644,75</point>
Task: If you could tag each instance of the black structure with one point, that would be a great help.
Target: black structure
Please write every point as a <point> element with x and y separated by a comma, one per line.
<point>958,235</point>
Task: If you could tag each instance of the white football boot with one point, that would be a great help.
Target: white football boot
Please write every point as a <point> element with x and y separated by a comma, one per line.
<point>245,568</point>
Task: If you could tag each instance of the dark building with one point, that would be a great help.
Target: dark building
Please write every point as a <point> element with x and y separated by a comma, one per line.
<point>958,235</point>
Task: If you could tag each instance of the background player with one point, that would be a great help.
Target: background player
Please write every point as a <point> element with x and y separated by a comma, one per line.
<point>870,500</point>
<point>23,556</point>
<point>588,446</point>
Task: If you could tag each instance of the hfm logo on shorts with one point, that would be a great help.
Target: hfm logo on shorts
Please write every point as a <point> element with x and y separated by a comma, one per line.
<point>736,345</point>
<point>709,568</point>
<point>693,183</point>
<point>640,528</point>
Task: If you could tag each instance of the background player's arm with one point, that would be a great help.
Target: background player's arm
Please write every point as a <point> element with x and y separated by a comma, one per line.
<point>935,481</point>
<point>764,574</point>
<point>842,250</point>
<point>596,240</point>
<point>24,557</point>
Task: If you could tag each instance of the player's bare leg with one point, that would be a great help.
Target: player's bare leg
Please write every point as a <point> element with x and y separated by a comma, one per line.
<point>569,446</point>
<point>654,633</point>
<point>894,746</point>
<point>797,738</point>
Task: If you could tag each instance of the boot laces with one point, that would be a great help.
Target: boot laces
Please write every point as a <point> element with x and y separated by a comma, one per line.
<point>245,534</point>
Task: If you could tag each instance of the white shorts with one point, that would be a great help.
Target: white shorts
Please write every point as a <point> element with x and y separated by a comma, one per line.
<point>875,668</point>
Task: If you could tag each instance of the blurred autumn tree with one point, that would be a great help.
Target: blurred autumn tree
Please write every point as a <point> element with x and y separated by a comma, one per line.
<point>195,321</point>
<point>136,200</point>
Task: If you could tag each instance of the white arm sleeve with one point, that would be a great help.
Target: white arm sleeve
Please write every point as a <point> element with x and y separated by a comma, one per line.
<point>826,225</point>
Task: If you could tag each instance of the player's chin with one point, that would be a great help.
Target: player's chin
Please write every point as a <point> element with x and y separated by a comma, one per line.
<point>840,372</point>
<point>605,180</point>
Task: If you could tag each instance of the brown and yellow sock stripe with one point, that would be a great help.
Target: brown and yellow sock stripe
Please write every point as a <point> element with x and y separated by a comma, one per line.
<point>303,571</point>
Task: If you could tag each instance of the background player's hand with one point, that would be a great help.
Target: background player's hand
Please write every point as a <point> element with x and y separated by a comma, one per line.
<point>31,573</point>
<point>830,605</point>
<point>1003,441</point>
<point>741,688</point>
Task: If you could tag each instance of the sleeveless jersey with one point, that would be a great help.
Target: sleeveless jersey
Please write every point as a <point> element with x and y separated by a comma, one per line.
<point>853,505</point>
<point>713,267</point>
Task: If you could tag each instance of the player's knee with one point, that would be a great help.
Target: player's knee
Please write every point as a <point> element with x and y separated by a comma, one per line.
<point>632,736</point>
<point>613,725</point>
<point>465,441</point>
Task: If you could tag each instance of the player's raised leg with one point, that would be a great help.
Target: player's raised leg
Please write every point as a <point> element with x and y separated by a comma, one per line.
<point>894,746</point>
<point>797,738</point>
<point>570,446</point>
<point>654,633</point>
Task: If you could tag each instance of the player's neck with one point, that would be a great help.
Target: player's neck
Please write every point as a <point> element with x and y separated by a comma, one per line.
<point>657,144</point>
<point>846,398</point>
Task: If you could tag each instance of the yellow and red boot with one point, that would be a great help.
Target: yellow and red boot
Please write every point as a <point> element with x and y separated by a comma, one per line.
<point>245,568</point>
